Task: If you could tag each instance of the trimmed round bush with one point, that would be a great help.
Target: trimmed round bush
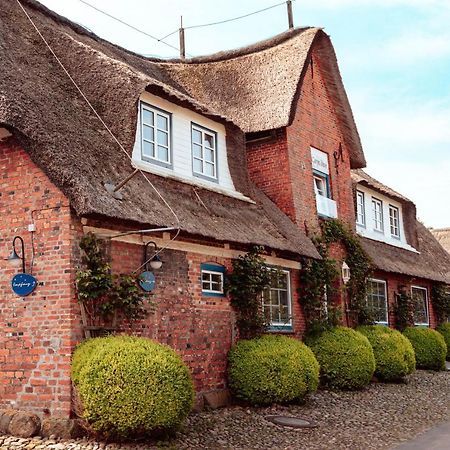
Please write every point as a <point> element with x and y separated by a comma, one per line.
<point>272,369</point>
<point>394,354</point>
<point>444,329</point>
<point>345,356</point>
<point>131,386</point>
<point>429,347</point>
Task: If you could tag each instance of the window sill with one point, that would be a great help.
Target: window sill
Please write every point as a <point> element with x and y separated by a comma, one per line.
<point>213,294</point>
<point>422,325</point>
<point>194,181</point>
<point>280,329</point>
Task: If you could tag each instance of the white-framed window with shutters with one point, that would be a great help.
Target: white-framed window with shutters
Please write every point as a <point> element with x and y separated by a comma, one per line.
<point>377,215</point>
<point>420,301</point>
<point>394,221</point>
<point>156,135</point>
<point>377,300</point>
<point>277,301</point>
<point>360,209</point>
<point>204,152</point>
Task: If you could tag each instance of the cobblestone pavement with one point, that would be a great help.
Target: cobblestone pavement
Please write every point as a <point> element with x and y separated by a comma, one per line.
<point>379,417</point>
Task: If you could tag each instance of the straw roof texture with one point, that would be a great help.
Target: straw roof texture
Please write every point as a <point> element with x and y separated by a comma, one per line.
<point>432,263</point>
<point>442,235</point>
<point>257,87</point>
<point>52,122</point>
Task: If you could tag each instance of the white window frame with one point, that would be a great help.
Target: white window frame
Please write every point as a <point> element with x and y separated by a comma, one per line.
<point>156,111</point>
<point>287,324</point>
<point>377,208</point>
<point>212,291</point>
<point>427,324</point>
<point>392,219</point>
<point>376,280</point>
<point>203,131</point>
<point>360,208</point>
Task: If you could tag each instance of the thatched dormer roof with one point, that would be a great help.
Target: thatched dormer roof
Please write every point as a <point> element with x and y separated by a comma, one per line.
<point>51,121</point>
<point>442,235</point>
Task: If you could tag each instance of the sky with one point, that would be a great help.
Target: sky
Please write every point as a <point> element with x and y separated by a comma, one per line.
<point>394,57</point>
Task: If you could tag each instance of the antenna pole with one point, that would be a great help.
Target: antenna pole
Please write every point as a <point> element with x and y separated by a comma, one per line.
<point>290,15</point>
<point>182,43</point>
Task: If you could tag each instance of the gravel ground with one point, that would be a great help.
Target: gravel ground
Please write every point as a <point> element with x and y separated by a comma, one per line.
<point>379,417</point>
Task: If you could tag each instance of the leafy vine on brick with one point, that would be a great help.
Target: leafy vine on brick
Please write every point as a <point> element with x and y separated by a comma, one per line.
<point>404,309</point>
<point>245,285</point>
<point>321,278</point>
<point>107,298</point>
<point>440,293</point>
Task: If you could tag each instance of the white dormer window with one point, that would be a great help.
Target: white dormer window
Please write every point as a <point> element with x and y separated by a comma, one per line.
<point>204,152</point>
<point>360,209</point>
<point>377,215</point>
<point>394,221</point>
<point>155,135</point>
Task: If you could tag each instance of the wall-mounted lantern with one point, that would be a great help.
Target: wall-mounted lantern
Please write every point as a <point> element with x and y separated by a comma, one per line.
<point>345,272</point>
<point>147,278</point>
<point>22,284</point>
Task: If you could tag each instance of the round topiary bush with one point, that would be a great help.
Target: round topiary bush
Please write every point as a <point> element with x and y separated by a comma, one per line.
<point>131,386</point>
<point>444,329</point>
<point>345,356</point>
<point>429,347</point>
<point>394,354</point>
<point>272,369</point>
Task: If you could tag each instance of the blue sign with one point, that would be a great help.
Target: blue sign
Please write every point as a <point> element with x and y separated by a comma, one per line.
<point>23,284</point>
<point>147,281</point>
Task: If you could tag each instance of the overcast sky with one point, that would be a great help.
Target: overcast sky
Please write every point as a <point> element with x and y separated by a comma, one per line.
<point>394,56</point>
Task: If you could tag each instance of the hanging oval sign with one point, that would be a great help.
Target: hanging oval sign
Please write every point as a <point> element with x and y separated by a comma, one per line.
<point>147,281</point>
<point>23,284</point>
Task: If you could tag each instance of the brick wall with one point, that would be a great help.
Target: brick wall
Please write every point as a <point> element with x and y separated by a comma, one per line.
<point>36,332</point>
<point>282,166</point>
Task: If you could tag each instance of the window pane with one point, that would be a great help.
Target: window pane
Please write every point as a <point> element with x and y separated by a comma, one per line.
<point>163,153</point>
<point>377,301</point>
<point>196,136</point>
<point>197,150</point>
<point>209,155</point>
<point>209,169</point>
<point>209,140</point>
<point>198,166</point>
<point>163,123</point>
<point>420,305</point>
<point>163,138</point>
<point>147,117</point>
<point>147,133</point>
<point>148,149</point>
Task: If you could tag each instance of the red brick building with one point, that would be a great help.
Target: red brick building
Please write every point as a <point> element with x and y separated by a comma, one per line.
<point>243,148</point>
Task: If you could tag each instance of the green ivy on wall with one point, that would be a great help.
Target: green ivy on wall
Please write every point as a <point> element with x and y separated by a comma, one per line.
<point>404,309</point>
<point>320,279</point>
<point>440,295</point>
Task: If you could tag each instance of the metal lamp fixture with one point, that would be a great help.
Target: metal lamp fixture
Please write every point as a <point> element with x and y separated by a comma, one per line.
<point>345,272</point>
<point>14,258</point>
<point>155,262</point>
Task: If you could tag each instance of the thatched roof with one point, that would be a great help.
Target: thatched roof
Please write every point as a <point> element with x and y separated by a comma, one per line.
<point>359,177</point>
<point>257,87</point>
<point>433,262</point>
<point>51,121</point>
<point>442,235</point>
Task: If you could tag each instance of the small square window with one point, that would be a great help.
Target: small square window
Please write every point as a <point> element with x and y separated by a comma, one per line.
<point>212,278</point>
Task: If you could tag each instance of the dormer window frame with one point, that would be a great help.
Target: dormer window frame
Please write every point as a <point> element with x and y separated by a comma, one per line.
<point>204,149</point>
<point>157,131</point>
<point>377,215</point>
<point>394,221</point>
<point>360,208</point>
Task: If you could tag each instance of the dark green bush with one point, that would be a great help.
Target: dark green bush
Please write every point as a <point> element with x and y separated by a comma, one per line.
<point>429,347</point>
<point>345,356</point>
<point>444,329</point>
<point>394,354</point>
<point>131,386</point>
<point>272,369</point>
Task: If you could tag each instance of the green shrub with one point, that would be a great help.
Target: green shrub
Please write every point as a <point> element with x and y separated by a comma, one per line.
<point>429,347</point>
<point>444,329</point>
<point>131,386</point>
<point>345,356</point>
<point>272,369</point>
<point>394,354</point>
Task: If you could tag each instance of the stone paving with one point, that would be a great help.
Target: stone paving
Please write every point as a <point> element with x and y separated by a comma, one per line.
<point>379,417</point>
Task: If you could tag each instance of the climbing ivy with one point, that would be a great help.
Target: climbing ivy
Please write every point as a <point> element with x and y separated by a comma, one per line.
<point>404,309</point>
<point>440,294</point>
<point>106,297</point>
<point>245,285</point>
<point>320,279</point>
